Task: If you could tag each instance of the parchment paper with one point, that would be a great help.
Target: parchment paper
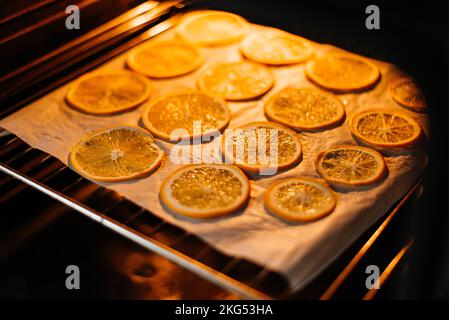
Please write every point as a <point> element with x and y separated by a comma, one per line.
<point>297,250</point>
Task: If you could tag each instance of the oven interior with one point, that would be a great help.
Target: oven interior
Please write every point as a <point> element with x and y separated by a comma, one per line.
<point>52,217</point>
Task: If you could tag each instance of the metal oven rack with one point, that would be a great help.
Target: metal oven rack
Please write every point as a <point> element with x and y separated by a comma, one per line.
<point>38,170</point>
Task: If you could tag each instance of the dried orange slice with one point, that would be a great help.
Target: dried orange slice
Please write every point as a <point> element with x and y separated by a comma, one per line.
<point>186,114</point>
<point>109,92</point>
<point>407,93</point>
<point>212,28</point>
<point>343,72</point>
<point>276,48</point>
<point>116,154</point>
<point>261,146</point>
<point>299,199</point>
<point>350,166</point>
<point>164,59</point>
<point>205,191</point>
<point>236,81</point>
<point>305,109</point>
<point>385,129</point>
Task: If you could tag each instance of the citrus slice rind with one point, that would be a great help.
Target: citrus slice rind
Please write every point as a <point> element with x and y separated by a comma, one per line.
<point>109,92</point>
<point>164,59</point>
<point>212,28</point>
<point>116,154</point>
<point>385,129</point>
<point>250,147</point>
<point>299,199</point>
<point>236,81</point>
<point>305,109</point>
<point>186,114</point>
<point>345,166</point>
<point>342,72</point>
<point>406,92</point>
<point>205,191</point>
<point>276,48</point>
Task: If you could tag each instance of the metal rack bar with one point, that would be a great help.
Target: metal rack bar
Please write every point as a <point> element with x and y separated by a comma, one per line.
<point>35,162</point>
<point>97,192</point>
<point>59,15</point>
<point>10,146</point>
<point>10,141</point>
<point>387,272</point>
<point>165,251</point>
<point>134,216</point>
<point>358,257</point>
<point>112,206</point>
<point>53,171</point>
<point>27,10</point>
<point>18,155</point>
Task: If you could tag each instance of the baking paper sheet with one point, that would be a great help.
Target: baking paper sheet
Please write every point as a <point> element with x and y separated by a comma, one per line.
<point>297,250</point>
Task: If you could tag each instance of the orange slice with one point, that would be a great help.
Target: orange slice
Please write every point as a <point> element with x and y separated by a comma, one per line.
<point>406,92</point>
<point>109,92</point>
<point>164,59</point>
<point>343,72</point>
<point>385,129</point>
<point>276,48</point>
<point>182,111</point>
<point>299,199</point>
<point>236,81</point>
<point>116,154</point>
<point>350,166</point>
<point>261,146</point>
<point>212,28</point>
<point>305,109</point>
<point>205,191</point>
